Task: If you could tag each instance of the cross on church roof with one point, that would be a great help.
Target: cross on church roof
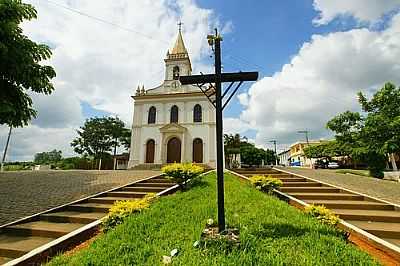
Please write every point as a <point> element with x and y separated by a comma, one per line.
<point>180,25</point>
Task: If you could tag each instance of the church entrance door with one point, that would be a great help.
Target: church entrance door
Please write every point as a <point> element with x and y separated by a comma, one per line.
<point>174,151</point>
<point>197,151</point>
<point>150,148</point>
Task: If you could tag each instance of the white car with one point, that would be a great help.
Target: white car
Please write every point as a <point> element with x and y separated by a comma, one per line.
<point>333,165</point>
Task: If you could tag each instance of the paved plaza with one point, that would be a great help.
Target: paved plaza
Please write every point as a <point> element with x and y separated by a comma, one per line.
<point>25,193</point>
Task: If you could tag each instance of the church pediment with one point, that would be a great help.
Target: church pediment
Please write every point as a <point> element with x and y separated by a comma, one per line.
<point>173,128</point>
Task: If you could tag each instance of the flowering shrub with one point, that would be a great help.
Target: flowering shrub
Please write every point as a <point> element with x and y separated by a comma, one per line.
<point>265,183</point>
<point>182,173</point>
<point>122,209</point>
<point>322,213</point>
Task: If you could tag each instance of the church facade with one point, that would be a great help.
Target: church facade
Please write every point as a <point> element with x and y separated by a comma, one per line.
<point>173,122</point>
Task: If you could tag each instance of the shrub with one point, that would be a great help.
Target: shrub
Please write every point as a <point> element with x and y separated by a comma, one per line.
<point>182,173</point>
<point>122,209</point>
<point>265,183</point>
<point>322,213</point>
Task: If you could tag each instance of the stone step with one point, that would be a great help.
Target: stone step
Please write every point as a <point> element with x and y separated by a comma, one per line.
<point>145,189</point>
<point>271,175</point>
<point>140,184</point>
<point>4,260</point>
<point>310,189</point>
<point>352,204</point>
<point>157,180</point>
<point>15,246</point>
<point>293,179</point>
<point>42,228</point>
<point>90,207</point>
<point>368,215</point>
<point>326,196</point>
<point>302,184</point>
<point>72,217</point>
<point>381,229</point>
<point>393,241</point>
<point>126,194</point>
<point>107,200</point>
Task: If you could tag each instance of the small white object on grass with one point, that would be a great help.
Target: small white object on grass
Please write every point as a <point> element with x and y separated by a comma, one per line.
<point>210,222</point>
<point>174,252</point>
<point>196,244</point>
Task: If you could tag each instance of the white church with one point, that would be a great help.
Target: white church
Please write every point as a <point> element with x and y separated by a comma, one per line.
<point>173,122</point>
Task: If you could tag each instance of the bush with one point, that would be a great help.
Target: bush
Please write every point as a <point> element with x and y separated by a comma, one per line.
<point>122,209</point>
<point>322,214</point>
<point>182,173</point>
<point>266,183</point>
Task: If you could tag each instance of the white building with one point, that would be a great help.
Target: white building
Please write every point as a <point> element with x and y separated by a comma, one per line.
<point>173,122</point>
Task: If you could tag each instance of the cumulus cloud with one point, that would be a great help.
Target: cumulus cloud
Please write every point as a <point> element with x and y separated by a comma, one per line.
<point>361,10</point>
<point>321,81</point>
<point>102,64</point>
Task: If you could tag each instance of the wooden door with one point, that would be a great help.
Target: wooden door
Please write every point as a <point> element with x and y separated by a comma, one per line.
<point>197,151</point>
<point>174,151</point>
<point>150,148</point>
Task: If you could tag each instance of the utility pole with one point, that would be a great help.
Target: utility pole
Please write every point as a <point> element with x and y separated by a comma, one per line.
<point>5,150</point>
<point>306,133</point>
<point>276,155</point>
<point>308,144</point>
<point>215,96</point>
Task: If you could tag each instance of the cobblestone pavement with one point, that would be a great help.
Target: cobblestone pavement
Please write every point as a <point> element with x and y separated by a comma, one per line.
<point>24,193</point>
<point>382,189</point>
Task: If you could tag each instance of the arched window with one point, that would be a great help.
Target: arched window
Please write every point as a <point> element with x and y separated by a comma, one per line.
<point>197,115</point>
<point>176,72</point>
<point>152,115</point>
<point>174,114</point>
<point>150,148</point>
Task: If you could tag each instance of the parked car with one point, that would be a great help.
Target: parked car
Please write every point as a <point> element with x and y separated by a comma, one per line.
<point>333,165</point>
<point>319,164</point>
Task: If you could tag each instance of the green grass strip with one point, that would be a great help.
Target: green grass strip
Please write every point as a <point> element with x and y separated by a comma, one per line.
<point>271,233</point>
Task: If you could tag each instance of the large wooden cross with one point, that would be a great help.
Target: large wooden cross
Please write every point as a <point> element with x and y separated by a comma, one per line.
<point>215,96</point>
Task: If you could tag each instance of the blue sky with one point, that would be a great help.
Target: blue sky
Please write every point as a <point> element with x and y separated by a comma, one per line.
<point>313,57</point>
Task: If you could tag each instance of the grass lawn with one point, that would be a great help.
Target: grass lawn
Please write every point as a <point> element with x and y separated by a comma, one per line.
<point>354,172</point>
<point>271,233</point>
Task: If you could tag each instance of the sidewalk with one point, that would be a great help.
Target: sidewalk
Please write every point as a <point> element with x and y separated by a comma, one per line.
<point>382,189</point>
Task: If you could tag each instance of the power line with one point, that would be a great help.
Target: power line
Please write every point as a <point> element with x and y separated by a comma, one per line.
<point>104,21</point>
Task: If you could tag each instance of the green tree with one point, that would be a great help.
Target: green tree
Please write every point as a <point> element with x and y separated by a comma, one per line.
<point>50,157</point>
<point>375,133</point>
<point>99,136</point>
<point>20,71</point>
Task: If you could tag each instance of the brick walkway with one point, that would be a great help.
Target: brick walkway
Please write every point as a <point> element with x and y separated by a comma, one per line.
<point>28,192</point>
<point>383,189</point>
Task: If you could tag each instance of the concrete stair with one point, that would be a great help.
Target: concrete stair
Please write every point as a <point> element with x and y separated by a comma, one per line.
<point>376,217</point>
<point>90,207</point>
<point>310,189</point>
<point>43,228</point>
<point>352,204</point>
<point>145,189</point>
<point>369,215</point>
<point>325,196</point>
<point>72,217</point>
<point>301,184</point>
<point>19,239</point>
<point>381,229</point>
<point>14,246</point>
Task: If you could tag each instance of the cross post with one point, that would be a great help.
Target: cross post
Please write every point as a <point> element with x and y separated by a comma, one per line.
<point>215,96</point>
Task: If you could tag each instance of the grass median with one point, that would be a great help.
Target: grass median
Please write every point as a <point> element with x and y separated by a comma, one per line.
<point>271,233</point>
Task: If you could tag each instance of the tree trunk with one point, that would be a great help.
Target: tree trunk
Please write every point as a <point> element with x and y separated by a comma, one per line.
<point>100,163</point>
<point>393,161</point>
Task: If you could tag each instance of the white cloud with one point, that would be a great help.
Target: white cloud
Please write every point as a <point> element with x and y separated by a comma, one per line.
<point>101,64</point>
<point>235,125</point>
<point>361,10</point>
<point>321,81</point>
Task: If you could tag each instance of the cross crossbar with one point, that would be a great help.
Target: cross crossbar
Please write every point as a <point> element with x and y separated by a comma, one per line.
<point>225,77</point>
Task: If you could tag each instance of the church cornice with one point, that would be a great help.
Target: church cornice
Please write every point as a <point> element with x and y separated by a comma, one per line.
<point>168,95</point>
